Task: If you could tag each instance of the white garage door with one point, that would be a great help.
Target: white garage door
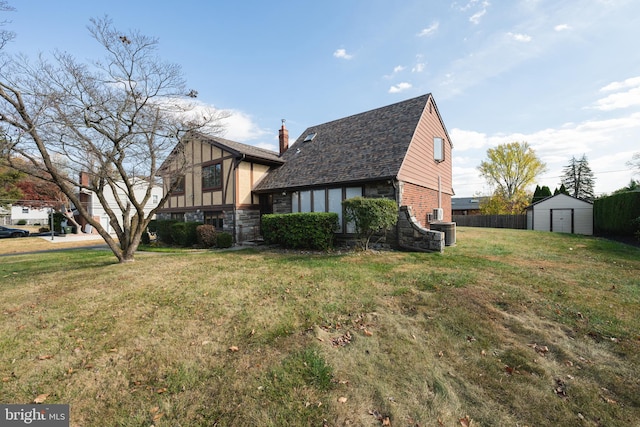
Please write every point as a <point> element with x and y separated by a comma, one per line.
<point>561,220</point>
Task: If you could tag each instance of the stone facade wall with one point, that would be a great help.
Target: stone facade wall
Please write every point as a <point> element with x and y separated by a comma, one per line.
<point>413,237</point>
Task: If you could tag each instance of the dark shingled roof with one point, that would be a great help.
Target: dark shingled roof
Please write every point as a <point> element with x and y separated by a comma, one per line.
<point>362,147</point>
<point>238,149</point>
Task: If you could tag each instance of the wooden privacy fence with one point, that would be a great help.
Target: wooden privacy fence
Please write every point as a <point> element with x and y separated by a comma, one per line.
<point>491,221</point>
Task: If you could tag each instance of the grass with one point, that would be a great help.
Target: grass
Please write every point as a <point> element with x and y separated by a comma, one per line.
<point>509,327</point>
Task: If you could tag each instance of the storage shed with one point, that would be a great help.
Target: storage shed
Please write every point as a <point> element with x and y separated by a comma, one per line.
<point>561,213</point>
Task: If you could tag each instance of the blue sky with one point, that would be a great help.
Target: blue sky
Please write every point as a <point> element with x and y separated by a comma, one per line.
<point>563,76</point>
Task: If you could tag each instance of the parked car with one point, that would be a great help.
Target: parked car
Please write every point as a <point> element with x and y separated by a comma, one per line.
<point>12,232</point>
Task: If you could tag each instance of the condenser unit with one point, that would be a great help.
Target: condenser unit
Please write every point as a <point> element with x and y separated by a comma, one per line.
<point>438,214</point>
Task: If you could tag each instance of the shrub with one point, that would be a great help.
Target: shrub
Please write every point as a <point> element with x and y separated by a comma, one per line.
<point>184,233</point>
<point>370,216</point>
<point>44,230</point>
<point>616,214</point>
<point>163,230</point>
<point>224,240</point>
<point>314,230</point>
<point>206,235</point>
<point>145,238</point>
<point>22,222</point>
<point>153,226</point>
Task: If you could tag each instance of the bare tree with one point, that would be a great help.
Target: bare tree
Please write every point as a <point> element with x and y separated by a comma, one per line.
<point>112,121</point>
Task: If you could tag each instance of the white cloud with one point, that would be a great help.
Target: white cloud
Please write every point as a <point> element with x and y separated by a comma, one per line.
<point>524,38</point>
<point>398,68</point>
<point>630,82</point>
<point>430,30</point>
<point>342,54</point>
<point>240,127</point>
<point>400,87</point>
<point>562,27</point>
<point>418,68</point>
<point>464,140</point>
<point>627,94</point>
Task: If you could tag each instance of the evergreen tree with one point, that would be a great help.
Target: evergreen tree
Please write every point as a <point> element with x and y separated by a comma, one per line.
<point>578,178</point>
<point>540,193</point>
<point>561,190</point>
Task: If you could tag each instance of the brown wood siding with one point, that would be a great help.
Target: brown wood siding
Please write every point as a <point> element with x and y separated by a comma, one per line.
<point>419,166</point>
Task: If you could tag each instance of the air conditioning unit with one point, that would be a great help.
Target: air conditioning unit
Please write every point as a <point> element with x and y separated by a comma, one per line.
<point>438,214</point>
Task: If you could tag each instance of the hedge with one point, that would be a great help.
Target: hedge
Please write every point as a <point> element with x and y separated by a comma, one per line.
<point>313,230</point>
<point>184,233</point>
<point>617,214</point>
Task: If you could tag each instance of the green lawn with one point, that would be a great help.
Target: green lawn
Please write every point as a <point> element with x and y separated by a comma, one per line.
<point>509,327</point>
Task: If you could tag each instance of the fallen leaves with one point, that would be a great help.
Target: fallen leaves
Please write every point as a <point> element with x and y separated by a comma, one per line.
<point>45,357</point>
<point>384,420</point>
<point>342,340</point>
<point>466,421</point>
<point>342,399</point>
<point>41,398</point>
<point>233,348</point>
<point>560,388</point>
<point>542,350</point>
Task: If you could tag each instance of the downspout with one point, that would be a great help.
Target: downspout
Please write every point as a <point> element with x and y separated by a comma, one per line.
<point>439,193</point>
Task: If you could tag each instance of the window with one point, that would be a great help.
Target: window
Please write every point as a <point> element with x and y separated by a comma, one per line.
<point>214,218</point>
<point>438,149</point>
<point>177,183</point>
<point>177,216</point>
<point>325,200</point>
<point>25,210</point>
<point>155,199</point>
<point>212,176</point>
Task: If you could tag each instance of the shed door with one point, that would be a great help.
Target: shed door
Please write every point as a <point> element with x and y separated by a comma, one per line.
<point>562,220</point>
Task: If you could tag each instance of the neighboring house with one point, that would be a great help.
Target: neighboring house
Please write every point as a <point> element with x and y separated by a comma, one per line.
<point>561,213</point>
<point>217,187</point>
<point>401,151</point>
<point>466,205</point>
<point>91,202</point>
<point>32,215</point>
<point>5,216</point>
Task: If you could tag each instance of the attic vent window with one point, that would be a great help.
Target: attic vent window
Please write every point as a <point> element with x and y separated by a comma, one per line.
<point>309,137</point>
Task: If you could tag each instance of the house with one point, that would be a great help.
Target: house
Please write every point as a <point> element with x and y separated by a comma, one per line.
<point>466,205</point>
<point>217,188</point>
<point>561,213</point>
<point>30,215</point>
<point>401,151</point>
<point>91,202</point>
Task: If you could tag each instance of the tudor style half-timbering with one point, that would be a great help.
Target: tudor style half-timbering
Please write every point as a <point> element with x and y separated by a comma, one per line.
<point>401,151</point>
<point>217,186</point>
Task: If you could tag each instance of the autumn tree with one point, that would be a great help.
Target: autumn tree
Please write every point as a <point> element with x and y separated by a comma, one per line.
<point>114,120</point>
<point>509,170</point>
<point>578,178</point>
<point>9,190</point>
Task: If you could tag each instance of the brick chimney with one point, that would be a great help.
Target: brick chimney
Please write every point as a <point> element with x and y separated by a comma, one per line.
<point>84,178</point>
<point>283,136</point>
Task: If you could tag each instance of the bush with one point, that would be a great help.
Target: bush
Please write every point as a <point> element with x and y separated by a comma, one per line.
<point>44,230</point>
<point>616,214</point>
<point>224,240</point>
<point>370,216</point>
<point>163,230</point>
<point>153,226</point>
<point>206,235</point>
<point>184,233</point>
<point>145,239</point>
<point>314,230</point>
<point>22,222</point>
